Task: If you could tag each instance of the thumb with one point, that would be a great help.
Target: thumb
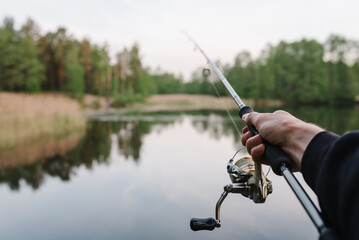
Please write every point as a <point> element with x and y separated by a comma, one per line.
<point>248,118</point>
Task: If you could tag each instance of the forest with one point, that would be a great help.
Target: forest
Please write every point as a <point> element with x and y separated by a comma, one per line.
<point>303,71</point>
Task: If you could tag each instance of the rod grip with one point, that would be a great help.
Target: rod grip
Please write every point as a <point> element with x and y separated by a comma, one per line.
<point>275,156</point>
<point>202,224</point>
<point>328,234</point>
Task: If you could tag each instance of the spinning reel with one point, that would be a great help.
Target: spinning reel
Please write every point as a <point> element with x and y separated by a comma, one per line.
<point>247,179</point>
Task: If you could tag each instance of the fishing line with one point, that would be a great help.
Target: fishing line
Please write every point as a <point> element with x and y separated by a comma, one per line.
<point>242,148</point>
<point>221,100</point>
<point>237,152</point>
<point>206,72</point>
<point>268,171</point>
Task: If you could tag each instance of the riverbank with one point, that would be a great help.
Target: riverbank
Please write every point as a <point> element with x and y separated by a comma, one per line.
<point>189,102</point>
<point>25,118</point>
<point>37,126</point>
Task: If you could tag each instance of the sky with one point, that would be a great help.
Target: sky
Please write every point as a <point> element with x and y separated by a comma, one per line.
<point>222,28</point>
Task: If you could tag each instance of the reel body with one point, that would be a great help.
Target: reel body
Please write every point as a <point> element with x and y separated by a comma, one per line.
<point>247,179</point>
<point>245,171</point>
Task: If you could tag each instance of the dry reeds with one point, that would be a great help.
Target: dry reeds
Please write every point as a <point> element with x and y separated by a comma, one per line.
<point>25,118</point>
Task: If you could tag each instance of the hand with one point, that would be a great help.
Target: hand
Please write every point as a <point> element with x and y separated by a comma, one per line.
<point>279,128</point>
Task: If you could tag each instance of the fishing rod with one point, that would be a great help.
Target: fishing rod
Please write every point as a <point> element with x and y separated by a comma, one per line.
<point>248,178</point>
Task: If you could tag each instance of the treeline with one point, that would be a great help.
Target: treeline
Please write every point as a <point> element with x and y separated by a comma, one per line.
<point>52,62</point>
<point>300,71</point>
<point>56,61</point>
<point>304,71</point>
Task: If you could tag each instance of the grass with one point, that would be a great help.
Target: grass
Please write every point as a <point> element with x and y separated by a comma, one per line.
<point>25,118</point>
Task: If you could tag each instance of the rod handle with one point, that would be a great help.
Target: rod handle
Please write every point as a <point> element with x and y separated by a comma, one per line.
<point>203,224</point>
<point>328,234</point>
<point>275,156</point>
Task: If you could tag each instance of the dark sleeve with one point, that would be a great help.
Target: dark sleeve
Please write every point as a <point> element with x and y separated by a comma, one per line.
<point>330,166</point>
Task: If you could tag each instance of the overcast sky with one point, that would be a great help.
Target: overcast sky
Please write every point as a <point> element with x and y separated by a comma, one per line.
<point>222,28</point>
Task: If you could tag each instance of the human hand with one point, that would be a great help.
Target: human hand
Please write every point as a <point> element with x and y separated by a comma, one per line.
<point>281,129</point>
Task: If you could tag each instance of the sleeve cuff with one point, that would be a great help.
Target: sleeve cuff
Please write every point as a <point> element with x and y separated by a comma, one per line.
<point>314,154</point>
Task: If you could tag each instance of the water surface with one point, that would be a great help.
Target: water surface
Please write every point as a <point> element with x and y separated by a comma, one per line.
<point>144,177</point>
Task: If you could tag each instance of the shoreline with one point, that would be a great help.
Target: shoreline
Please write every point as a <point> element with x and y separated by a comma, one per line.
<point>189,102</point>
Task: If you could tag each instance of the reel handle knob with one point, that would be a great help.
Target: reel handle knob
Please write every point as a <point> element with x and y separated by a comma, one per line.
<point>275,156</point>
<point>198,224</point>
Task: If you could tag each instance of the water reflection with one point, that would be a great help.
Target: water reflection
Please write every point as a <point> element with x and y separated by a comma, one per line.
<point>28,162</point>
<point>68,154</point>
<point>129,137</point>
<point>61,158</point>
<point>144,177</point>
<point>90,148</point>
<point>218,125</point>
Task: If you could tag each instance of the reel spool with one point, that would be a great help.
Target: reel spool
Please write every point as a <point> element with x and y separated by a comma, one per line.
<point>245,171</point>
<point>241,170</point>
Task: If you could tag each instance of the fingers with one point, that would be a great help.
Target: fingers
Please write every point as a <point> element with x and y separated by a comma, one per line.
<point>267,124</point>
<point>250,118</point>
<point>254,145</point>
<point>253,142</point>
<point>257,154</point>
<point>244,130</point>
<point>246,135</point>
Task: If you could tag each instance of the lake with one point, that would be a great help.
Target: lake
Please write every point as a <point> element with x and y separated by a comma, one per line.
<point>145,176</point>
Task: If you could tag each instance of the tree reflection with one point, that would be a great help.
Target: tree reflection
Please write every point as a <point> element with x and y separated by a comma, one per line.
<point>32,175</point>
<point>94,146</point>
<point>219,124</point>
<point>129,139</point>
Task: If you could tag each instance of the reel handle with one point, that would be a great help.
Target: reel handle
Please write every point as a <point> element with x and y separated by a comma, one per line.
<point>198,224</point>
<point>275,156</point>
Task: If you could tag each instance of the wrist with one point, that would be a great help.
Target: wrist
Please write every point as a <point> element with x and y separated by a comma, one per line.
<point>301,134</point>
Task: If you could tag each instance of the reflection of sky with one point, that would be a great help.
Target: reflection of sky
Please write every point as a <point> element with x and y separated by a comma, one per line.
<point>180,175</point>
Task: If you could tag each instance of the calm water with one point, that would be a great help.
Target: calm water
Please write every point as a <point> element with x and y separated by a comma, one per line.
<point>144,177</point>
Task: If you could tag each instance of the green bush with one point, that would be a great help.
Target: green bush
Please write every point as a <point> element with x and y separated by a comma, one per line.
<point>76,85</point>
<point>123,100</point>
